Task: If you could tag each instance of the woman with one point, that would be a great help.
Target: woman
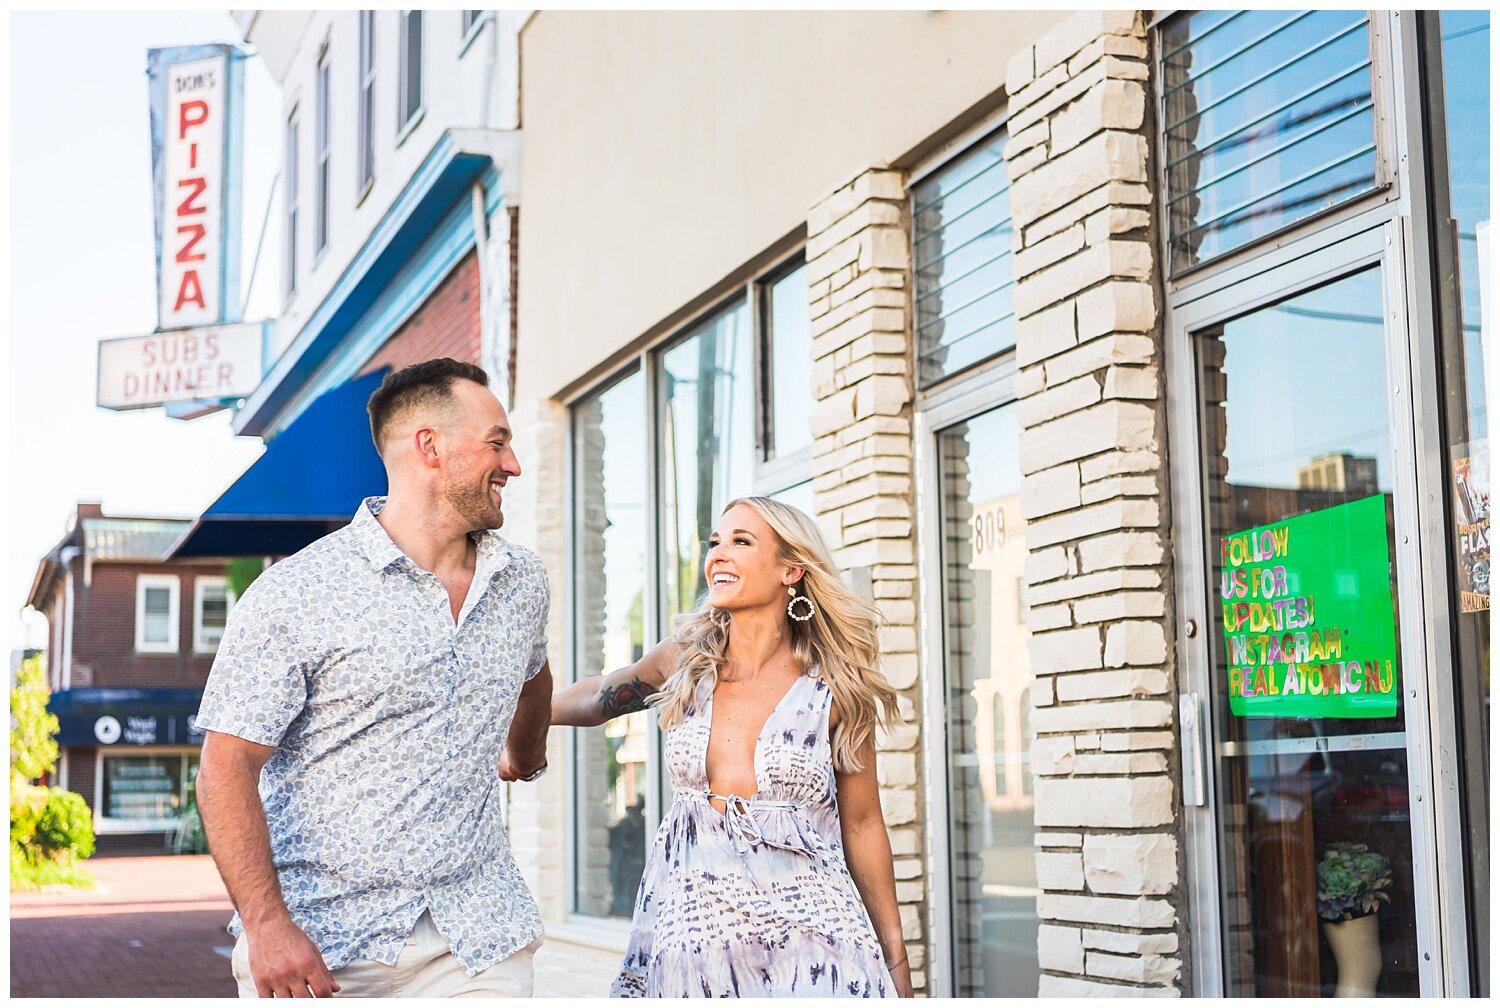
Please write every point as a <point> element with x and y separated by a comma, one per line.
<point>772,861</point>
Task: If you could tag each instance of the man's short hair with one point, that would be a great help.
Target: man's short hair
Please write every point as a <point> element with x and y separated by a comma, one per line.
<point>428,384</point>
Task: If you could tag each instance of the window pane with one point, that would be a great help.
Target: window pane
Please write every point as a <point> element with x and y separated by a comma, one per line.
<point>366,96</point>
<point>962,258</point>
<point>799,497</point>
<point>157,606</point>
<point>411,68</point>
<point>708,445</point>
<point>142,787</point>
<point>988,677</point>
<point>291,205</point>
<point>1307,700</point>
<point>1270,118</point>
<point>609,432</point>
<point>214,614</point>
<point>322,142</point>
<point>789,351</point>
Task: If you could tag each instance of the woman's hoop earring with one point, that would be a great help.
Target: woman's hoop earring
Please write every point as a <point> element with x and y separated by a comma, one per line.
<point>812,610</point>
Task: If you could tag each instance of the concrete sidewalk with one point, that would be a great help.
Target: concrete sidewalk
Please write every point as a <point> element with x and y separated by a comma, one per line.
<point>154,927</point>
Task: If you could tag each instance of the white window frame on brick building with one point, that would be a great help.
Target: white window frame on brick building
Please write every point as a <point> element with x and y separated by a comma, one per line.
<point>206,638</point>
<point>1379,227</point>
<point>774,477</point>
<point>173,586</point>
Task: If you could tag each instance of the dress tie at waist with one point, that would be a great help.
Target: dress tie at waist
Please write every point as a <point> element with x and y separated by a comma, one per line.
<point>746,828</point>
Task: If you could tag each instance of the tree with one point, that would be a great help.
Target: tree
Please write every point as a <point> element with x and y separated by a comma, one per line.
<point>33,729</point>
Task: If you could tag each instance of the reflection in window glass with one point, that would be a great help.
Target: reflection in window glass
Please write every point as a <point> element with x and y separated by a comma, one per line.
<point>150,788</point>
<point>799,497</point>
<point>1270,118</point>
<point>157,617</point>
<point>1310,720</point>
<point>962,262</point>
<point>788,348</point>
<point>708,446</point>
<point>988,675</point>
<point>1466,48</point>
<point>609,585</point>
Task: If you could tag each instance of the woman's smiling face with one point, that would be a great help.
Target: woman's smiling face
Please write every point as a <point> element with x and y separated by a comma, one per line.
<point>743,565</point>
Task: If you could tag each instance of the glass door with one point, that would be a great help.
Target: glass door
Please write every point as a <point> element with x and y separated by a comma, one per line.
<point>989,862</point>
<point>1314,680</point>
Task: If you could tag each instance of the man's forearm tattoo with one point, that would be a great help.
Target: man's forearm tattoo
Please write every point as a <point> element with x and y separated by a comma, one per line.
<point>626,698</point>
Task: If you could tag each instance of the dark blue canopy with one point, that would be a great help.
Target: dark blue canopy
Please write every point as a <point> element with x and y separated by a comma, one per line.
<point>309,482</point>
<point>113,715</point>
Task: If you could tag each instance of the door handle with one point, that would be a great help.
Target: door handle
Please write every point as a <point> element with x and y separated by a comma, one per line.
<point>1194,757</point>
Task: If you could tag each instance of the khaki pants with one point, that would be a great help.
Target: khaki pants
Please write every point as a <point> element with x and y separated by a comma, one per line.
<point>426,967</point>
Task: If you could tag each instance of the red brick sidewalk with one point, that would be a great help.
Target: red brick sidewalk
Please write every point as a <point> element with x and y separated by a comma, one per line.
<point>153,928</point>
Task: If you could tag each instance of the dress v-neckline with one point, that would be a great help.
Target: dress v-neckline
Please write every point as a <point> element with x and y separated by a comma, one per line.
<point>759,736</point>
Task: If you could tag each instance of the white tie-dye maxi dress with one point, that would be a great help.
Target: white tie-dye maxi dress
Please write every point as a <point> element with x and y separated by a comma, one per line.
<point>755,901</point>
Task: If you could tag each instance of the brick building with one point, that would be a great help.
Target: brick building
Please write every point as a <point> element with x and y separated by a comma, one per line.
<point>130,641</point>
<point>1060,325</point>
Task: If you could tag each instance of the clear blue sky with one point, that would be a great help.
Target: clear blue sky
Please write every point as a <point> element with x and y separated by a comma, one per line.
<point>81,269</point>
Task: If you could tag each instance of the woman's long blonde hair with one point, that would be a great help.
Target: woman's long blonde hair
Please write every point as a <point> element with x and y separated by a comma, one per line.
<point>841,638</point>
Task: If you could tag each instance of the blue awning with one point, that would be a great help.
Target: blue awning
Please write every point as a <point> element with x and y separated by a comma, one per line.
<point>309,482</point>
<point>117,716</point>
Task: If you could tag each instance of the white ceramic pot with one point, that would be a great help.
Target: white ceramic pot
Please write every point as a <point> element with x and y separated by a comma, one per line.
<point>1356,947</point>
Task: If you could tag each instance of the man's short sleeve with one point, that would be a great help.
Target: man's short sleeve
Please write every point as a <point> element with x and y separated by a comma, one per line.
<point>542,604</point>
<point>257,686</point>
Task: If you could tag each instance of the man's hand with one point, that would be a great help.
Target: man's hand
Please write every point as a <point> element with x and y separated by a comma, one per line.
<point>285,963</point>
<point>511,769</point>
<point>526,746</point>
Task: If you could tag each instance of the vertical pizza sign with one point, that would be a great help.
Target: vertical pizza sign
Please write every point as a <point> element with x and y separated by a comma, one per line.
<point>196,100</point>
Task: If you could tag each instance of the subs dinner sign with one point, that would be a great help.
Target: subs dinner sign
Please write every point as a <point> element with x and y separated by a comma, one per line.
<point>1309,627</point>
<point>186,365</point>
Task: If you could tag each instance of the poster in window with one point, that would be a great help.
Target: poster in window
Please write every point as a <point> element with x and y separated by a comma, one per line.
<point>1309,624</point>
<point>1471,518</point>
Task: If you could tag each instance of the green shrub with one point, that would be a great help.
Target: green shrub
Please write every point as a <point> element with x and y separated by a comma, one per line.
<point>26,804</point>
<point>65,831</point>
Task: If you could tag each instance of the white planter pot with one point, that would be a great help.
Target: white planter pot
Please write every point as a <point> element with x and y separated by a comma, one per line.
<point>1356,947</point>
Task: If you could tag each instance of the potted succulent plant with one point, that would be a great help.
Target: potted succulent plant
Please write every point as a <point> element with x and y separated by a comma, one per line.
<point>1353,884</point>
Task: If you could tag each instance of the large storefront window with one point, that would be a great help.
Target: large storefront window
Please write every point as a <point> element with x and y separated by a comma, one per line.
<point>146,791</point>
<point>708,455</point>
<point>609,440</point>
<point>1315,813</point>
<point>988,700</point>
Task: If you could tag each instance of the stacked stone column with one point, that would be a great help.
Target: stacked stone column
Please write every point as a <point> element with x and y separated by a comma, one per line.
<point>859,270</point>
<point>1095,498</point>
<point>534,518</point>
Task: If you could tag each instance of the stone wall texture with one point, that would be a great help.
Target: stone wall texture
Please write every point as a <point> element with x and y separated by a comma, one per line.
<point>859,276</point>
<point>1095,499</point>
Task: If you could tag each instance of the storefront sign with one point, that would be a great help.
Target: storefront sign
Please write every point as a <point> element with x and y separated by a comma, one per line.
<point>189,365</point>
<point>196,97</point>
<point>1309,626</point>
<point>1471,489</point>
<point>113,717</point>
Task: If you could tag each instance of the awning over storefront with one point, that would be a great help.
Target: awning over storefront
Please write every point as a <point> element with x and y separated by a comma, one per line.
<point>115,717</point>
<point>309,482</point>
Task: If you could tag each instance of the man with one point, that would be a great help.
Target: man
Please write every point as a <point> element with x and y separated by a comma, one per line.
<point>369,694</point>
